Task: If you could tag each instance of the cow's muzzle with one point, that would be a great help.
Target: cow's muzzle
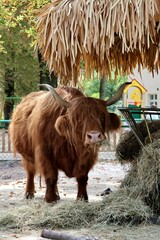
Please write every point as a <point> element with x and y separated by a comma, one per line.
<point>94,137</point>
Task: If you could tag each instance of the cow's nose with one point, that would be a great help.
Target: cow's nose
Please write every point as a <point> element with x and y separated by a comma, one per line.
<point>94,136</point>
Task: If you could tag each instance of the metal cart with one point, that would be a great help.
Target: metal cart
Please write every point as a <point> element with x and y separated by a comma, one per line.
<point>146,113</point>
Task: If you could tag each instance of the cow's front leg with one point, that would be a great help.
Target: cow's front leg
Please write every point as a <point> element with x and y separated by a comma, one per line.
<point>52,194</point>
<point>82,188</point>
<point>50,172</point>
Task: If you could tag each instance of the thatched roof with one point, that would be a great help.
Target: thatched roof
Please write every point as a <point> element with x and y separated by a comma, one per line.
<point>106,34</point>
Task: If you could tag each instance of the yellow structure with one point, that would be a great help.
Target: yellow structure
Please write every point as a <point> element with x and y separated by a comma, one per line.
<point>133,95</point>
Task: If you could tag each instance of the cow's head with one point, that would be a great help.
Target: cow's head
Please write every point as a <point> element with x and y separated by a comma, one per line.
<point>86,119</point>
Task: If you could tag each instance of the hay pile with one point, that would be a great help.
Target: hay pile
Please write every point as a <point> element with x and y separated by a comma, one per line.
<point>115,209</point>
<point>128,148</point>
<point>143,179</point>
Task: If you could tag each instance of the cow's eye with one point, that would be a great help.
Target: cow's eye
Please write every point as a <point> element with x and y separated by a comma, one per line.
<point>103,121</point>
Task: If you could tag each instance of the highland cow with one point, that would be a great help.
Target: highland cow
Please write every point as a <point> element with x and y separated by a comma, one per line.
<point>59,130</point>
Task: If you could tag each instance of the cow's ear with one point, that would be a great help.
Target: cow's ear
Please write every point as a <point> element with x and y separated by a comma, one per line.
<point>115,122</point>
<point>61,125</point>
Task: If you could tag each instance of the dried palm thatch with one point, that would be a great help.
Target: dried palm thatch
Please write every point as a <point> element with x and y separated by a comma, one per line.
<point>128,148</point>
<point>106,35</point>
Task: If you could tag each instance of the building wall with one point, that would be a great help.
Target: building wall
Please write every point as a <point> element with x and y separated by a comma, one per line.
<point>150,82</point>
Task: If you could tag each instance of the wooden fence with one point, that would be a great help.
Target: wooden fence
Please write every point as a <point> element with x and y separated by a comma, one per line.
<point>5,143</point>
<point>108,146</point>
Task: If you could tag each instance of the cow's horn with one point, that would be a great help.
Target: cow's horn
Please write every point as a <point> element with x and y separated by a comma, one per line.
<point>117,95</point>
<point>56,96</point>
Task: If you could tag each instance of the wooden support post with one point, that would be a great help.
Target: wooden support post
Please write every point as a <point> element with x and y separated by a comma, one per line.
<point>3,140</point>
<point>9,143</point>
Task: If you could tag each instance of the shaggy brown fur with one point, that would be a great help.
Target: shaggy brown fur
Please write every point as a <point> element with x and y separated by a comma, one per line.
<point>51,137</point>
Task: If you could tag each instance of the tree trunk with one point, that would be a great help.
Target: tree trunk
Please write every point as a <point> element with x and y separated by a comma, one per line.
<point>44,75</point>
<point>9,92</point>
<point>102,92</point>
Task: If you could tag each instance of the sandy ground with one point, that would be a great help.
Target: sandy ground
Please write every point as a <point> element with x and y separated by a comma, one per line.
<point>105,174</point>
<point>12,184</point>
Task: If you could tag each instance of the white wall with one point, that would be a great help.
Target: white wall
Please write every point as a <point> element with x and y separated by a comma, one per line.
<point>149,82</point>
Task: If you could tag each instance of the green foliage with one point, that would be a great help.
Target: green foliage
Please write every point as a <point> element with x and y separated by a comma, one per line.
<point>18,57</point>
<point>19,65</point>
<point>17,41</point>
<point>91,88</point>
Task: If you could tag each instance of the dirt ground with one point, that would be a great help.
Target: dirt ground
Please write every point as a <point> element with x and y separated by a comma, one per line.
<point>105,174</point>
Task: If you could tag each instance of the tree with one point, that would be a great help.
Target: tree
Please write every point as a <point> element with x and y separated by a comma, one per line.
<point>45,76</point>
<point>102,88</point>
<point>20,68</point>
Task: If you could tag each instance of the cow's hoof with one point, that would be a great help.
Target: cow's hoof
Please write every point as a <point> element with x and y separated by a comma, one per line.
<point>83,199</point>
<point>29,195</point>
<point>52,199</point>
<point>58,197</point>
